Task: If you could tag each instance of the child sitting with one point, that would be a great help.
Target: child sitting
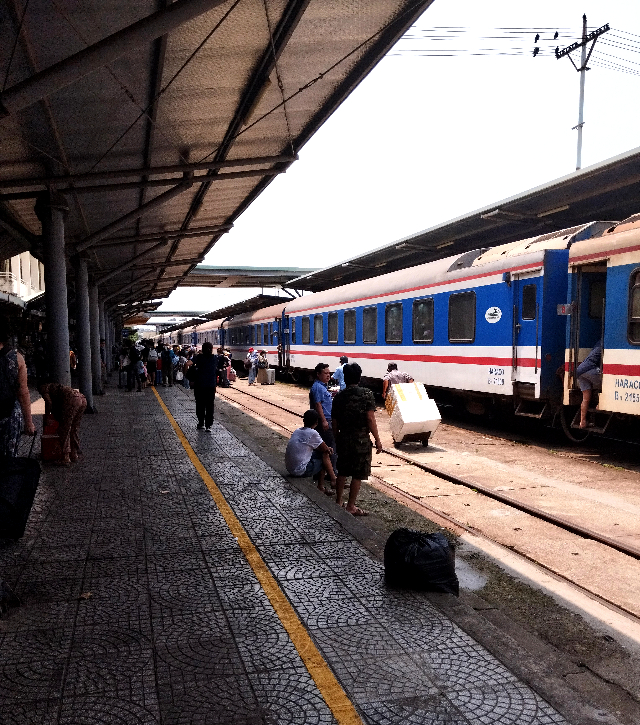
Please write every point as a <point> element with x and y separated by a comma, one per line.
<point>308,455</point>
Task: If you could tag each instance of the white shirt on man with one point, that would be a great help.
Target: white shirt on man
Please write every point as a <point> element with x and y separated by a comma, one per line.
<point>301,445</point>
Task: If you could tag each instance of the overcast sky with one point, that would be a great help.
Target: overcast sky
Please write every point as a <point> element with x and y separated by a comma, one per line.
<point>425,139</point>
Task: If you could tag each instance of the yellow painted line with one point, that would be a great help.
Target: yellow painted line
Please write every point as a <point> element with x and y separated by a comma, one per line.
<point>340,705</point>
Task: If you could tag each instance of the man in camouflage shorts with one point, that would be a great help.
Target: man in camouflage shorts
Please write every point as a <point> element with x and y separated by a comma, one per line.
<point>353,418</point>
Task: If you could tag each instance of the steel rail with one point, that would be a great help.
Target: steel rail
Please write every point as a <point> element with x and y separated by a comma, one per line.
<point>508,500</point>
<point>435,513</point>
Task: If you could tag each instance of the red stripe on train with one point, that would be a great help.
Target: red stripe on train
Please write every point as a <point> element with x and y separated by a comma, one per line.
<point>454,359</point>
<point>632,370</point>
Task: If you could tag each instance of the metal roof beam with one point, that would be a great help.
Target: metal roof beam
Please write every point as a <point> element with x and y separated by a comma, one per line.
<point>56,181</point>
<point>132,216</point>
<point>143,184</point>
<point>104,52</point>
<point>129,285</point>
<point>13,227</point>
<point>130,262</point>
<point>157,236</point>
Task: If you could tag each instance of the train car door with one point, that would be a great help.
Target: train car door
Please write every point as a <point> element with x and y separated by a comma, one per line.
<point>284,357</point>
<point>525,352</point>
<point>587,284</point>
<point>587,320</point>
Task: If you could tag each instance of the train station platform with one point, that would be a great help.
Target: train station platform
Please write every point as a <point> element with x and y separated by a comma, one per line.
<point>173,576</point>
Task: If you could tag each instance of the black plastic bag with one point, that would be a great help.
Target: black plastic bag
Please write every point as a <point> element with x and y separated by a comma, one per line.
<point>426,562</point>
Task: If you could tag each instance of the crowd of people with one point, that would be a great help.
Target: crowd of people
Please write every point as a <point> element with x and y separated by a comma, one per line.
<point>333,444</point>
<point>163,365</point>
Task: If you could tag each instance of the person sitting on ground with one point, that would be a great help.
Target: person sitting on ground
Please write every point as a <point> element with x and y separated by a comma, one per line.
<point>353,420</point>
<point>67,406</point>
<point>307,454</point>
<point>392,377</point>
<point>589,377</point>
<point>263,360</point>
<point>338,375</point>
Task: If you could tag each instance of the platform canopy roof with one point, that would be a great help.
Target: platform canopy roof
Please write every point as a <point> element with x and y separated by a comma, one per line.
<point>238,308</point>
<point>207,276</point>
<point>607,191</point>
<point>157,123</point>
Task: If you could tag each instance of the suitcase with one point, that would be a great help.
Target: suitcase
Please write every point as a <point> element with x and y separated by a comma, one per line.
<point>19,479</point>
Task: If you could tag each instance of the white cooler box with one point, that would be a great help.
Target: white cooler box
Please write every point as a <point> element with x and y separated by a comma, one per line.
<point>266,376</point>
<point>414,416</point>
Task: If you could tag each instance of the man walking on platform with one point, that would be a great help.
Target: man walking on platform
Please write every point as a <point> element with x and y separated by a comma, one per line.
<point>204,379</point>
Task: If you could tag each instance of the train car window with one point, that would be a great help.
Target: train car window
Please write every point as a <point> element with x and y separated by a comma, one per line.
<point>597,289</point>
<point>423,321</point>
<point>349,326</point>
<point>393,323</point>
<point>306,333</point>
<point>332,328</point>
<point>633,332</point>
<point>317,329</point>
<point>293,329</point>
<point>529,302</point>
<point>370,325</point>
<point>274,336</point>
<point>253,334</point>
<point>462,317</point>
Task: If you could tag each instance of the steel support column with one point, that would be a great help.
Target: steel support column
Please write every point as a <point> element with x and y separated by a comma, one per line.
<point>83,331</point>
<point>103,336</point>
<point>51,209</point>
<point>94,318</point>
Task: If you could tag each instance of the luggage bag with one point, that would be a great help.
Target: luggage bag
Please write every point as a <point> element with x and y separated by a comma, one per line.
<point>19,479</point>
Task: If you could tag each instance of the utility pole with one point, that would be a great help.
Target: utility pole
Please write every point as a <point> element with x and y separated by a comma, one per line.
<point>584,59</point>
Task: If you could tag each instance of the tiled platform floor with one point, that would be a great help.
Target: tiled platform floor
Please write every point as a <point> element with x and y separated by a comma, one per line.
<point>139,606</point>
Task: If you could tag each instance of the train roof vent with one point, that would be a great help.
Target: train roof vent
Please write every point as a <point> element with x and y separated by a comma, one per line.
<point>632,222</point>
<point>593,231</point>
<point>467,259</point>
<point>560,233</point>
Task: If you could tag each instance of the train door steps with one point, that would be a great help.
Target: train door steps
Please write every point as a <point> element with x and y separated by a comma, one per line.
<point>532,408</point>
<point>597,420</point>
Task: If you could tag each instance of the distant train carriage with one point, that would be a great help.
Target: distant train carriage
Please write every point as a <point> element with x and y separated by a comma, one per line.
<point>489,327</point>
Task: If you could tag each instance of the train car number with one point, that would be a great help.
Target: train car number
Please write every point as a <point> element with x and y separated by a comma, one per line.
<point>627,397</point>
<point>496,376</point>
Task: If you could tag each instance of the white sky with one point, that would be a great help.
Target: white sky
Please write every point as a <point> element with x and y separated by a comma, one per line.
<point>425,139</point>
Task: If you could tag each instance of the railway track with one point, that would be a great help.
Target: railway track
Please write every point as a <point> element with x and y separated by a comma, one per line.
<point>241,398</point>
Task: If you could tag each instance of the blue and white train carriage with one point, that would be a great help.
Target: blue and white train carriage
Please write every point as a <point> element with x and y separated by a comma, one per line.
<point>604,292</point>
<point>483,326</point>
